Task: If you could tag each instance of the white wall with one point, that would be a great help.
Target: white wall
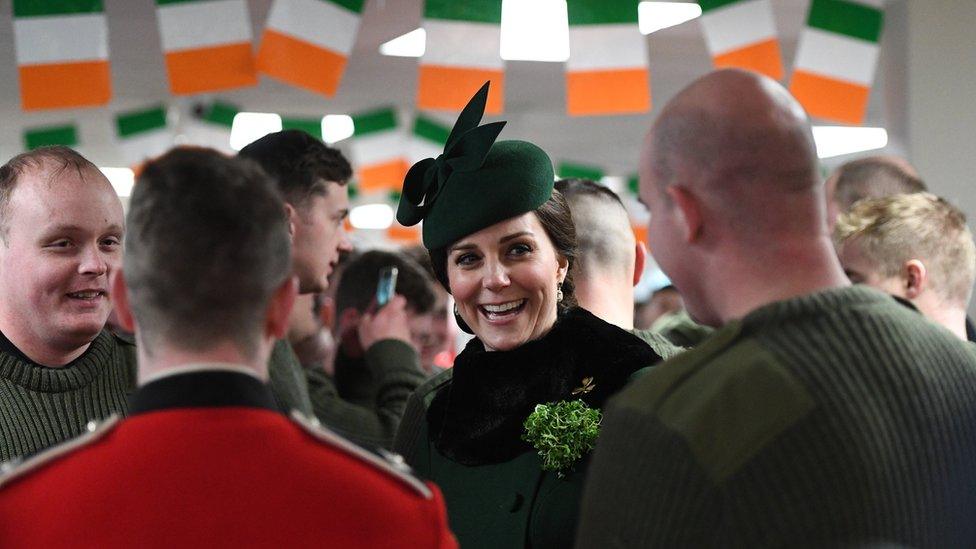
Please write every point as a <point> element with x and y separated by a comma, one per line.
<point>941,96</point>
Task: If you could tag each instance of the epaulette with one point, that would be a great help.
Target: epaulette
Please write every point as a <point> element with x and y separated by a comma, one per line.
<point>388,462</point>
<point>17,467</point>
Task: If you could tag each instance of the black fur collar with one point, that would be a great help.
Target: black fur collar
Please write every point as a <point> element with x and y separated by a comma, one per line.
<point>477,419</point>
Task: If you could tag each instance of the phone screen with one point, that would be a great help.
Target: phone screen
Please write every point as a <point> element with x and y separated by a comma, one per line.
<point>386,286</point>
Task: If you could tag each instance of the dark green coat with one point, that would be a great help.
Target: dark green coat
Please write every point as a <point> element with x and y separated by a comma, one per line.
<point>462,430</point>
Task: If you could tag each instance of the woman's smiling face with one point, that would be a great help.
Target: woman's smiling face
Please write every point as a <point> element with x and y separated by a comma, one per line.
<point>504,280</point>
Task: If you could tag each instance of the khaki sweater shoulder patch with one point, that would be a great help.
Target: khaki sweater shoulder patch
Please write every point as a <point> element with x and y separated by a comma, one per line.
<point>727,398</point>
<point>731,408</point>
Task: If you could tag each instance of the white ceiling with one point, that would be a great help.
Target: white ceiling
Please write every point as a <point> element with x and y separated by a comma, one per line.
<point>535,97</point>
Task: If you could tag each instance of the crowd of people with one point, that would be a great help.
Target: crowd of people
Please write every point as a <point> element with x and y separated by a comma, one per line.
<point>214,367</point>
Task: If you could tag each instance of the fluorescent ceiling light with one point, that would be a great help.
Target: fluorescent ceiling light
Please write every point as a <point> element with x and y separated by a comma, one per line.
<point>411,44</point>
<point>122,179</point>
<point>336,127</point>
<point>251,126</point>
<point>536,30</point>
<point>838,140</point>
<point>371,216</point>
<point>654,16</point>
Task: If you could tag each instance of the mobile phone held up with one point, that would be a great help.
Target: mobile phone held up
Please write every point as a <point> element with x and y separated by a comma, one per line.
<point>386,287</point>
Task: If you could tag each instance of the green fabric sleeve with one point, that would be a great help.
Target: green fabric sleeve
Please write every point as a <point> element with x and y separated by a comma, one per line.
<point>396,369</point>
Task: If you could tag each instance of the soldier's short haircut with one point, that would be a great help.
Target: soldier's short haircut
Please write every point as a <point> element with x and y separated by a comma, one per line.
<point>873,177</point>
<point>300,164</point>
<point>604,237</point>
<point>54,160</point>
<point>892,230</point>
<point>357,286</point>
<point>207,247</point>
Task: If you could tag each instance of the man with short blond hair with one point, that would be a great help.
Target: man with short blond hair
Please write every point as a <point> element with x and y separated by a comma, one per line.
<point>61,228</point>
<point>914,246</point>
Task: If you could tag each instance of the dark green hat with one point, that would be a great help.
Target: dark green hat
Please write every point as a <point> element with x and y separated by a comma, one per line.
<point>476,182</point>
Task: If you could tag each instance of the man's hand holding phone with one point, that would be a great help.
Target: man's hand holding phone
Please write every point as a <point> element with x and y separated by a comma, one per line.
<point>389,322</point>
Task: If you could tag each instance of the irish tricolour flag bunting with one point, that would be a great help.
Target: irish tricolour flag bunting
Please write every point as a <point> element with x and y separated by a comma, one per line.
<point>143,133</point>
<point>66,135</point>
<point>311,126</point>
<point>377,151</point>
<point>306,42</point>
<point>62,53</point>
<point>607,68</point>
<point>463,41</point>
<point>836,58</point>
<point>427,139</point>
<point>742,33</point>
<point>207,45</point>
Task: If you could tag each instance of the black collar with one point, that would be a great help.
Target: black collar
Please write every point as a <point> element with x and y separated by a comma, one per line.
<point>201,389</point>
<point>478,418</point>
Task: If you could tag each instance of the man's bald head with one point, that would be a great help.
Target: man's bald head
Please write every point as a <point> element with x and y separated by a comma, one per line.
<point>732,127</point>
<point>873,177</point>
<point>730,174</point>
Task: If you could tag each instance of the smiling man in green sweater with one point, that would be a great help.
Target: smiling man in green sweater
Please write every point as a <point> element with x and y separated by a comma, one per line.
<point>818,414</point>
<point>61,228</point>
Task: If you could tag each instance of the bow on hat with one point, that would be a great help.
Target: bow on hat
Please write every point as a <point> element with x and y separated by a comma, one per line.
<point>465,151</point>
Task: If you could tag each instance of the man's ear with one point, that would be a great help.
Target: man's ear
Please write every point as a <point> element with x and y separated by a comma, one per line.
<point>292,219</point>
<point>914,277</point>
<point>688,212</point>
<point>279,309</point>
<point>640,257</point>
<point>120,300</point>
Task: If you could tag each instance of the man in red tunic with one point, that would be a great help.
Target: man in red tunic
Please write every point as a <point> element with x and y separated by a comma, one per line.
<point>205,460</point>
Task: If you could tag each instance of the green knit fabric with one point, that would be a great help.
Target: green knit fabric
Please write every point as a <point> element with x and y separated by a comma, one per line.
<point>836,418</point>
<point>681,330</point>
<point>287,380</point>
<point>41,407</point>
<point>395,367</point>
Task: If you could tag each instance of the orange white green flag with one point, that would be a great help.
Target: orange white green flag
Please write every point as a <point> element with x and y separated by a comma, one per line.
<point>378,151</point>
<point>207,44</point>
<point>311,126</point>
<point>211,127</point>
<point>742,34</point>
<point>836,58</point>
<point>62,53</point>
<point>306,43</point>
<point>427,139</point>
<point>143,133</point>
<point>607,68</point>
<point>462,53</point>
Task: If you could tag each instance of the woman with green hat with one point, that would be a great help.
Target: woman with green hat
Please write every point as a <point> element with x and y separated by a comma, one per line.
<point>507,431</point>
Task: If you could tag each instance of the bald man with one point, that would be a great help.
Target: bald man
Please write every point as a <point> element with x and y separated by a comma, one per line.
<point>871,177</point>
<point>819,413</point>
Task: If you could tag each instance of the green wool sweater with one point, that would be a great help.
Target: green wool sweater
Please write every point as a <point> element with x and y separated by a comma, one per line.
<point>394,369</point>
<point>41,406</point>
<point>833,419</point>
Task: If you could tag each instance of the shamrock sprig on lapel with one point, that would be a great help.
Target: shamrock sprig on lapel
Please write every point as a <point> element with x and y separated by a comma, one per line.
<point>562,432</point>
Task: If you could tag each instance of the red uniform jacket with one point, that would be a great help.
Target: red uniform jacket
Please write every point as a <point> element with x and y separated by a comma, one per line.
<point>204,460</point>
